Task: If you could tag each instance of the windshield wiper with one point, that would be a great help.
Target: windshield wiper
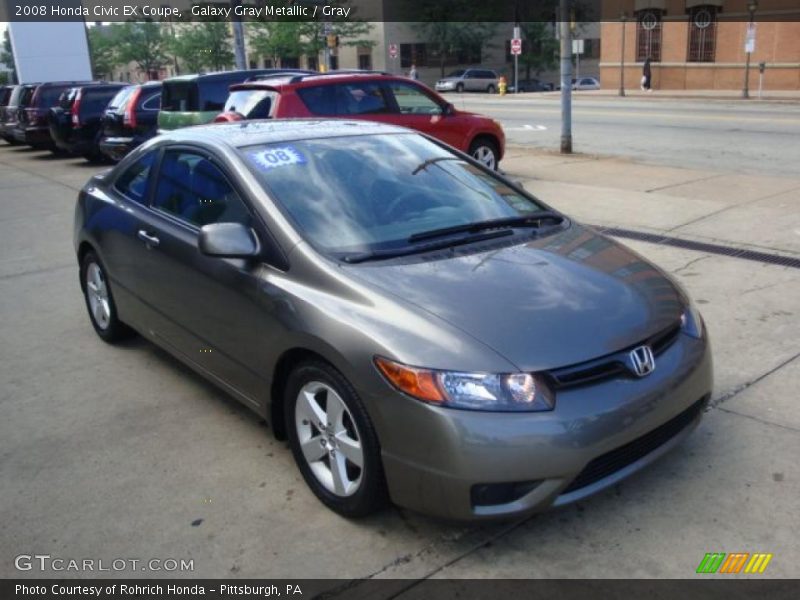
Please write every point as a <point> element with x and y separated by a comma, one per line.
<point>424,164</point>
<point>529,220</point>
<point>420,248</point>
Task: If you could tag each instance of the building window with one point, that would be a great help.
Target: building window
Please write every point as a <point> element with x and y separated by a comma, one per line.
<point>702,34</point>
<point>648,35</point>
<point>313,63</point>
<point>416,54</point>
<point>365,62</point>
<point>290,62</point>
<point>267,63</point>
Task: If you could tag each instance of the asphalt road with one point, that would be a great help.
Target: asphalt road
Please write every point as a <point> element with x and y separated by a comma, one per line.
<point>753,137</point>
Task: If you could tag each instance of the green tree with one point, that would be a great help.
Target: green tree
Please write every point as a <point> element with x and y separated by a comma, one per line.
<point>539,48</point>
<point>277,39</point>
<point>201,46</point>
<point>142,43</point>
<point>102,49</point>
<point>7,56</point>
<point>458,38</point>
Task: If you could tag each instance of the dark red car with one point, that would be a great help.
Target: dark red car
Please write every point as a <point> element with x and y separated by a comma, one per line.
<point>369,96</point>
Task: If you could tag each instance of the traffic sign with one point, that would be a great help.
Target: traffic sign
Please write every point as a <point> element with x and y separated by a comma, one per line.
<point>393,51</point>
<point>516,46</point>
<point>750,38</point>
<point>577,46</point>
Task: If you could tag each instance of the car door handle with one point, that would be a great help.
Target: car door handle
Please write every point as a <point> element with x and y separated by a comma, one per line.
<point>148,239</point>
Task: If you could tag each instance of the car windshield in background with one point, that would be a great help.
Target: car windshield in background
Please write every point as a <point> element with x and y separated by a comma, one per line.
<point>253,104</point>
<point>373,192</point>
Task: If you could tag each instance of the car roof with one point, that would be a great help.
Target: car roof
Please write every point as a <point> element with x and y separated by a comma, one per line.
<point>331,77</point>
<point>222,75</point>
<point>269,131</point>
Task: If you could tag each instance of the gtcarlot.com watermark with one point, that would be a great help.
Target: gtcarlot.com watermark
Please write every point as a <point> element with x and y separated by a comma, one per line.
<point>48,563</point>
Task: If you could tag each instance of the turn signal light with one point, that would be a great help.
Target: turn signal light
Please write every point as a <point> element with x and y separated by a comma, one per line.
<point>414,382</point>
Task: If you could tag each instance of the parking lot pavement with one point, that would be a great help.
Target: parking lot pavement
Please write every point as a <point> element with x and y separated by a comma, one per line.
<point>120,452</point>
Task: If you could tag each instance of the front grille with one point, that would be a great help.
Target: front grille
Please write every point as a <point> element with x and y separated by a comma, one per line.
<point>611,462</point>
<point>611,365</point>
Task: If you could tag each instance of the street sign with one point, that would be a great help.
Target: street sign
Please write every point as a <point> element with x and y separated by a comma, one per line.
<point>577,46</point>
<point>516,46</point>
<point>392,50</point>
<point>750,38</point>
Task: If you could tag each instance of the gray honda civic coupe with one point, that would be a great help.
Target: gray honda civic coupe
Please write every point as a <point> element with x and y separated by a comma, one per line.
<point>420,328</point>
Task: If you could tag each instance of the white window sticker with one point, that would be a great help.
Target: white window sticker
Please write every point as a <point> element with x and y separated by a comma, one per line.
<point>272,158</point>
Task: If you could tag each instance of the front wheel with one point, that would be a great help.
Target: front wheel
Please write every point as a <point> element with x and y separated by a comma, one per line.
<point>333,440</point>
<point>485,151</point>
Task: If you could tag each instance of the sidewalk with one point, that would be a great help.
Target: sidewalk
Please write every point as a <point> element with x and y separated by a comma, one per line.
<point>759,212</point>
<point>783,96</point>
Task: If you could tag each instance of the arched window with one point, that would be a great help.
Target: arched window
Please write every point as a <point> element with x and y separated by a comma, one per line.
<point>648,35</point>
<point>702,33</point>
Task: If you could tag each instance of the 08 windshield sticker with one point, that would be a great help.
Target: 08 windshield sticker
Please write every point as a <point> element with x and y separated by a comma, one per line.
<point>272,158</point>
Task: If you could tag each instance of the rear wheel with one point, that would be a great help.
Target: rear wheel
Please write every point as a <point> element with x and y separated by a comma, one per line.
<point>485,151</point>
<point>459,87</point>
<point>490,89</point>
<point>100,302</point>
<point>333,441</point>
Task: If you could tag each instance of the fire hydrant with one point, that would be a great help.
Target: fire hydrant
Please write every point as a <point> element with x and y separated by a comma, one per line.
<point>502,85</point>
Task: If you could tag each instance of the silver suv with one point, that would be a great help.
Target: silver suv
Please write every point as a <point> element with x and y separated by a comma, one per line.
<point>469,80</point>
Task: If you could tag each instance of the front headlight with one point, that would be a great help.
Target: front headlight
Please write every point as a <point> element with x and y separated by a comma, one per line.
<point>692,322</point>
<point>475,391</point>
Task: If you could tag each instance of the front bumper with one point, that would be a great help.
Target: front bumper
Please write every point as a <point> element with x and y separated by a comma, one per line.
<point>587,443</point>
<point>448,86</point>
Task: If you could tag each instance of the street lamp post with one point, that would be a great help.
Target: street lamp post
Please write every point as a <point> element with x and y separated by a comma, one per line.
<point>622,17</point>
<point>752,6</point>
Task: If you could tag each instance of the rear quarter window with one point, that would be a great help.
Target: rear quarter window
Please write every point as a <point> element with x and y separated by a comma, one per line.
<point>359,98</point>
<point>150,102</point>
<point>179,96</point>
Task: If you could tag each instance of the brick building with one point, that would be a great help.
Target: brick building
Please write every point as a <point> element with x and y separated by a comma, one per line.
<point>700,44</point>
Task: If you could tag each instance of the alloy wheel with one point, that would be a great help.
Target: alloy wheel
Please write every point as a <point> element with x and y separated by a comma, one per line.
<point>97,294</point>
<point>329,440</point>
<point>485,156</point>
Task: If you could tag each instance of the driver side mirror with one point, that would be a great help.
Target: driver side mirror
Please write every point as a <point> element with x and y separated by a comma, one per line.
<point>228,240</point>
<point>448,110</point>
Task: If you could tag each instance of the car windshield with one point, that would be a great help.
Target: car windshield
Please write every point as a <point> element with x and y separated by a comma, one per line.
<point>373,192</point>
<point>458,73</point>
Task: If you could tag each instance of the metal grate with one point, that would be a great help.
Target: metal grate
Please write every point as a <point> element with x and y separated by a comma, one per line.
<point>654,238</point>
<point>616,460</point>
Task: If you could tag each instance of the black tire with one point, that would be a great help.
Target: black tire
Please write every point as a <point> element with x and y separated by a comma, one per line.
<point>111,329</point>
<point>480,146</point>
<point>459,87</point>
<point>370,495</point>
<point>490,89</point>
<point>11,141</point>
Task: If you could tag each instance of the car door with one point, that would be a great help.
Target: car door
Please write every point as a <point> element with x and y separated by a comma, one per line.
<point>471,81</point>
<point>211,307</point>
<point>414,108</point>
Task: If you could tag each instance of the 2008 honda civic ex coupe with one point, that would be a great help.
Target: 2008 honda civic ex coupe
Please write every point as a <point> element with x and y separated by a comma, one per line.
<point>420,328</point>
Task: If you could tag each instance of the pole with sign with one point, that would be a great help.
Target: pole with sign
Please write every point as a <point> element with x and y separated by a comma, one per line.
<point>393,52</point>
<point>577,50</point>
<point>516,50</point>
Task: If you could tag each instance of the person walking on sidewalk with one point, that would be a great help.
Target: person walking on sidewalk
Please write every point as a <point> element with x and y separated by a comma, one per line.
<point>646,76</point>
<point>413,72</point>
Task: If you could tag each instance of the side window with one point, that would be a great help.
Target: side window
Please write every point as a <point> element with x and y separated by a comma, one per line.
<point>411,100</point>
<point>344,99</point>
<point>152,103</point>
<point>193,189</point>
<point>133,182</point>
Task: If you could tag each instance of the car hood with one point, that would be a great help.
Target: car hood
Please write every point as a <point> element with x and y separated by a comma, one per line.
<point>555,301</point>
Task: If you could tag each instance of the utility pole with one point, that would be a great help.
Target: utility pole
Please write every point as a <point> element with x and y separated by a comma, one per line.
<point>622,17</point>
<point>566,76</point>
<point>238,38</point>
<point>749,46</point>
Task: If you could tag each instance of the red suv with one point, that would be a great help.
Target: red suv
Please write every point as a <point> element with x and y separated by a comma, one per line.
<point>369,96</point>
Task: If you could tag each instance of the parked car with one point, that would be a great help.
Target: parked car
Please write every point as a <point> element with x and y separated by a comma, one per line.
<point>197,99</point>
<point>586,83</point>
<point>76,124</point>
<point>417,325</point>
<point>20,98</point>
<point>130,119</point>
<point>6,92</point>
<point>373,97</point>
<point>469,80</point>
<point>32,122</point>
<point>531,85</point>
